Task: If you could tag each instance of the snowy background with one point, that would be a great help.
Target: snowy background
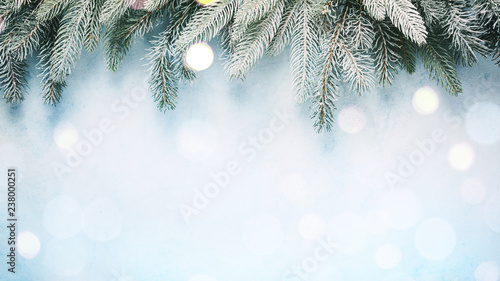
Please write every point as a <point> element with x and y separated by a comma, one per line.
<point>236,185</point>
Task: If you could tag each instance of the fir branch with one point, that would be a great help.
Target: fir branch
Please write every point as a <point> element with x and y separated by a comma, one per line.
<point>113,10</point>
<point>49,9</point>
<point>285,30</point>
<point>305,43</point>
<point>250,12</point>
<point>120,35</point>
<point>406,18</point>
<point>152,5</point>
<point>385,49</point>
<point>69,41</point>
<point>207,23</point>
<point>375,8</point>
<point>13,76</point>
<point>26,34</point>
<point>408,54</point>
<point>254,42</point>
<point>358,27</point>
<point>432,10</point>
<point>93,29</point>
<point>440,65</point>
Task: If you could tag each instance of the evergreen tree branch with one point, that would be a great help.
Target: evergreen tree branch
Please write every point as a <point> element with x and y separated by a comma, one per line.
<point>406,18</point>
<point>285,30</point>
<point>385,49</point>
<point>49,9</point>
<point>13,76</point>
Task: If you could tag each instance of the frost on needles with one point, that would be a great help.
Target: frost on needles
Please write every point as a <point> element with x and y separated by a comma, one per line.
<point>361,44</point>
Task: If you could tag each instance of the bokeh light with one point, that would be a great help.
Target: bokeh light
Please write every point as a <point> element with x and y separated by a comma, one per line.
<point>473,190</point>
<point>263,234</point>
<point>199,56</point>
<point>62,217</point>
<point>461,156</point>
<point>425,100</point>
<point>388,256</point>
<point>492,212</point>
<point>352,119</point>
<point>28,244</point>
<point>102,220</point>
<point>65,135</point>
<point>196,140</point>
<point>206,2</point>
<point>487,271</point>
<point>482,122</point>
<point>136,4</point>
<point>435,239</point>
<point>312,226</point>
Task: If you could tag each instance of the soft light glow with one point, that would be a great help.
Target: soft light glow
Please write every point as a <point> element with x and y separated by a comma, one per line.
<point>352,119</point>
<point>483,122</point>
<point>28,244</point>
<point>199,56</point>
<point>425,100</point>
<point>473,191</point>
<point>461,156</point>
<point>137,4</point>
<point>65,135</point>
<point>263,235</point>
<point>312,226</point>
<point>487,271</point>
<point>196,140</point>
<point>294,186</point>
<point>435,239</point>
<point>492,212</point>
<point>206,2</point>
<point>102,220</point>
<point>348,232</point>
<point>388,256</point>
<point>62,217</point>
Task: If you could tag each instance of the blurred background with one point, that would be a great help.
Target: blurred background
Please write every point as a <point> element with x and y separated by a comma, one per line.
<point>235,184</point>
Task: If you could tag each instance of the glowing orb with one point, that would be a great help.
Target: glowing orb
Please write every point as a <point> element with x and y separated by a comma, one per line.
<point>312,226</point>
<point>425,100</point>
<point>487,271</point>
<point>206,2</point>
<point>483,122</point>
<point>461,156</point>
<point>137,4</point>
<point>199,56</point>
<point>28,244</point>
<point>388,256</point>
<point>435,239</point>
<point>352,119</point>
<point>65,135</point>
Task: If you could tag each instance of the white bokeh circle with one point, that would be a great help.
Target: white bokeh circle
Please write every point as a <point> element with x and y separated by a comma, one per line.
<point>425,100</point>
<point>196,140</point>
<point>263,235</point>
<point>352,119</point>
<point>199,56</point>
<point>312,226</point>
<point>62,217</point>
<point>435,239</point>
<point>65,135</point>
<point>102,220</point>
<point>482,122</point>
<point>388,256</point>
<point>461,156</point>
<point>28,244</point>
<point>487,271</point>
